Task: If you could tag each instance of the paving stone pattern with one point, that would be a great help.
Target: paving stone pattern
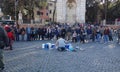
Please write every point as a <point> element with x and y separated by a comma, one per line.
<point>30,57</point>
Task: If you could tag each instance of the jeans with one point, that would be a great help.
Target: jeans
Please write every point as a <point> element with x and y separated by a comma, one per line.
<point>106,38</point>
<point>17,37</point>
<point>22,37</point>
<point>28,37</point>
<point>61,48</point>
<point>78,38</point>
<point>98,37</point>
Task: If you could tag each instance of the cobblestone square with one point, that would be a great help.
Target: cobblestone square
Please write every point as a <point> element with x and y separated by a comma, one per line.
<point>30,57</point>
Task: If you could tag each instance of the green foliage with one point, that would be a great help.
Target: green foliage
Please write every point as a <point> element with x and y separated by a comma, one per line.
<point>96,10</point>
<point>114,11</point>
<point>9,8</point>
<point>92,10</point>
<point>26,6</point>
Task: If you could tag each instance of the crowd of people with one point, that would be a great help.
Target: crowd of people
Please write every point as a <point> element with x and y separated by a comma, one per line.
<point>74,33</point>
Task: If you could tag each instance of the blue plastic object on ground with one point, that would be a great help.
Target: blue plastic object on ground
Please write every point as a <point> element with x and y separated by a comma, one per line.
<point>46,47</point>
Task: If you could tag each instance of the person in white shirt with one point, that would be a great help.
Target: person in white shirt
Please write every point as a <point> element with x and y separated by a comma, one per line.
<point>60,44</point>
<point>74,37</point>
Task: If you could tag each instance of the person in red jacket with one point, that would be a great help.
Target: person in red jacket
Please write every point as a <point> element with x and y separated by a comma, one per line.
<point>11,39</point>
<point>10,35</point>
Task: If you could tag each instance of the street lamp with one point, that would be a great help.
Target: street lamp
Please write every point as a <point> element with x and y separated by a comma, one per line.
<point>104,2</point>
<point>15,2</point>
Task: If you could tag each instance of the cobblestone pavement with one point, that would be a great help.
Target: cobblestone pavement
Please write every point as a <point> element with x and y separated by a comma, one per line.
<point>29,57</point>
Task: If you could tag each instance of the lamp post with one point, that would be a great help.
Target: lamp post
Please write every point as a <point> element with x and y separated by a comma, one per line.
<point>105,5</point>
<point>16,2</point>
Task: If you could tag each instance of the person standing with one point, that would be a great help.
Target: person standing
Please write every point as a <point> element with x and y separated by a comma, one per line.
<point>118,33</point>
<point>110,34</point>
<point>49,33</point>
<point>28,32</point>
<point>16,30</point>
<point>22,32</point>
<point>10,35</point>
<point>39,31</point>
<point>74,37</point>
<point>82,35</point>
<point>106,34</point>
<point>11,38</point>
<point>63,32</point>
<point>98,34</point>
<point>89,33</point>
<point>3,41</point>
<point>69,30</point>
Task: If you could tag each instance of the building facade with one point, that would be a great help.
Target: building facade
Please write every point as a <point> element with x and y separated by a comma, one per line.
<point>41,15</point>
<point>70,11</point>
<point>51,7</point>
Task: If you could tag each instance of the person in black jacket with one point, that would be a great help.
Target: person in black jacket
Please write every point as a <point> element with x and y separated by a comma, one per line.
<point>63,32</point>
<point>39,31</point>
<point>4,41</point>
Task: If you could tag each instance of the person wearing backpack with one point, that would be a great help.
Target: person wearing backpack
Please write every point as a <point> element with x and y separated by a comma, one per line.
<point>3,42</point>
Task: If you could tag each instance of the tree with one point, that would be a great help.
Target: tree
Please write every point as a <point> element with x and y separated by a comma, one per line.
<point>92,11</point>
<point>114,11</point>
<point>9,8</point>
<point>26,6</point>
<point>97,11</point>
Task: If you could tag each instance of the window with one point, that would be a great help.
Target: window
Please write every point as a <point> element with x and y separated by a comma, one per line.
<point>47,20</point>
<point>47,14</point>
<point>38,12</point>
<point>50,19</point>
<point>50,11</point>
<point>41,13</point>
<point>50,4</point>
